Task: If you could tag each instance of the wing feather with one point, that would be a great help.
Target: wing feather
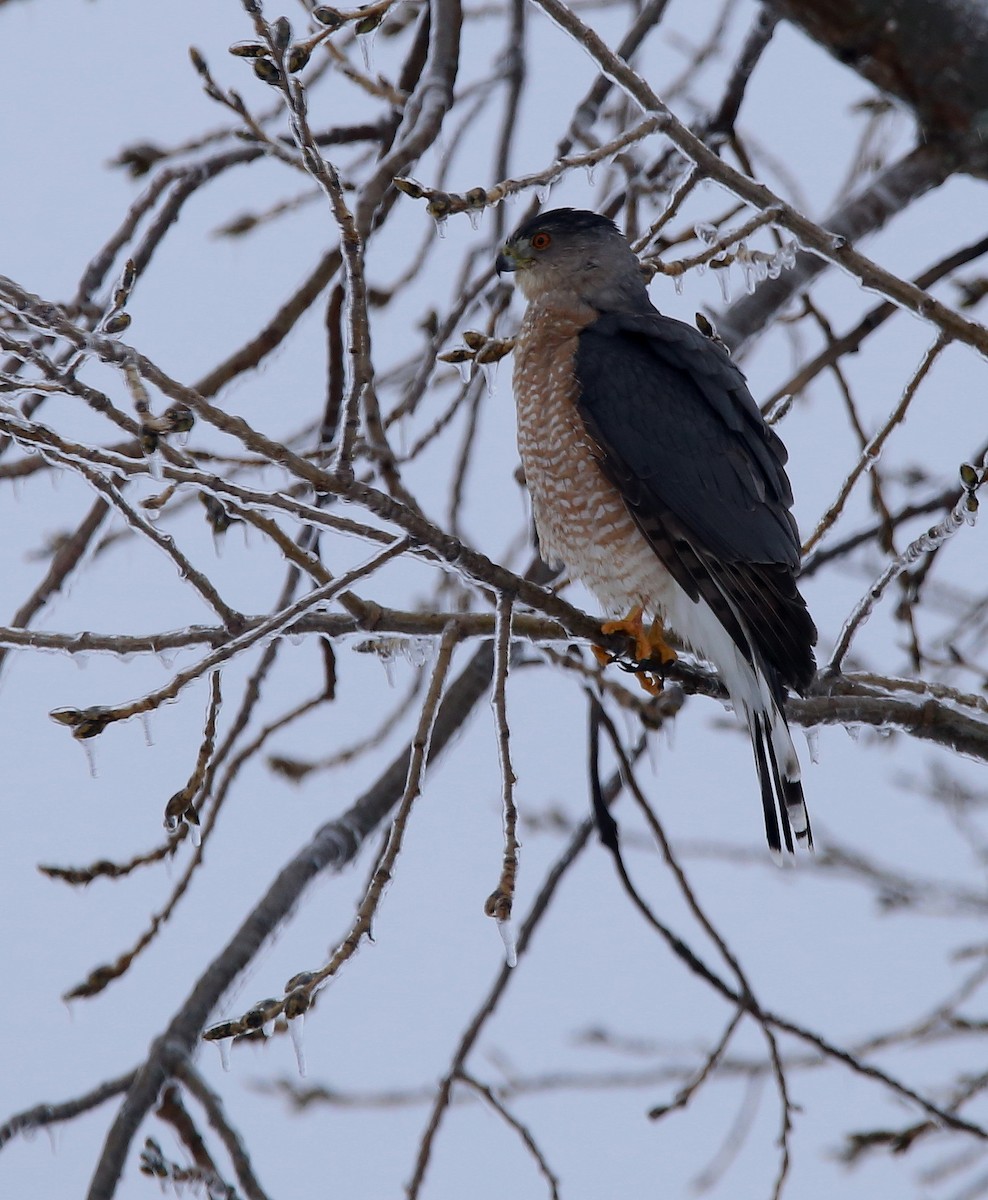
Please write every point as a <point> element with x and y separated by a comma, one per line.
<point>702,474</point>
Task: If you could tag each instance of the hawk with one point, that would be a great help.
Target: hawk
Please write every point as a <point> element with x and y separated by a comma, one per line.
<point>655,480</point>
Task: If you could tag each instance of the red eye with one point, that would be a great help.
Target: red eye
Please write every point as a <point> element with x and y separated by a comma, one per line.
<point>540,241</point>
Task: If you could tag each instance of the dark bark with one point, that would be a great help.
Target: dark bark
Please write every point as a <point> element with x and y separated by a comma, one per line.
<point>930,54</point>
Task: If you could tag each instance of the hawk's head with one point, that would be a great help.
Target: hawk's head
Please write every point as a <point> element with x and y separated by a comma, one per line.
<point>575,256</point>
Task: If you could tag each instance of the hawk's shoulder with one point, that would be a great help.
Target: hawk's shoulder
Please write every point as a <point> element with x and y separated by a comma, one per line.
<point>702,474</point>
<point>674,409</point>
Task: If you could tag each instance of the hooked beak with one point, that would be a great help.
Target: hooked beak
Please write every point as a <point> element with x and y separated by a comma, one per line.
<point>507,260</point>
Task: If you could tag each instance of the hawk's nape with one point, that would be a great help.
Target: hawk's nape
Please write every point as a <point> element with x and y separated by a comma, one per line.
<point>656,481</point>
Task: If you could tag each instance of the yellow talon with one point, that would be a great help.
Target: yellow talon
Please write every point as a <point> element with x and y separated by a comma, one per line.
<point>602,656</point>
<point>650,644</point>
<point>650,682</point>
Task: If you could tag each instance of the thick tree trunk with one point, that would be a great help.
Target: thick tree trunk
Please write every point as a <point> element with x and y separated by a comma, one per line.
<point>930,54</point>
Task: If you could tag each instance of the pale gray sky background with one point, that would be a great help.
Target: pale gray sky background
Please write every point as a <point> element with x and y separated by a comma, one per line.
<point>82,80</point>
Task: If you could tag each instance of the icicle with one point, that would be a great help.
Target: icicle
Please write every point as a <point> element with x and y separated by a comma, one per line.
<point>440,226</point>
<point>87,749</point>
<point>416,650</point>
<point>268,1028</point>
<point>439,147</point>
<point>195,833</point>
<point>465,369</point>
<point>507,932</point>
<point>224,1045</point>
<point>295,1029</point>
<point>678,282</point>
<point>542,194</point>
<point>591,170</point>
<point>786,255</point>
<point>652,751</point>
<point>750,276</point>
<point>80,660</point>
<point>813,744</point>
<point>706,232</point>
<point>401,436</point>
<point>724,279</point>
<point>366,43</point>
<point>475,216</point>
<point>146,724</point>
<point>489,372</point>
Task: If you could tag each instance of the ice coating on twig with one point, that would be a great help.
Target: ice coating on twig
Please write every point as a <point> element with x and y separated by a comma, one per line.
<point>507,931</point>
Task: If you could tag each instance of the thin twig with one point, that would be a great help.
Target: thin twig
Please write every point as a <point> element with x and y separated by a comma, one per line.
<point>501,900</point>
<point>747,996</point>
<point>43,1115</point>
<point>523,1132</point>
<point>873,449</point>
<point>90,722</point>
<point>332,847</point>
<point>232,1142</point>
<point>699,968</point>
<point>706,1069</point>
<point>962,514</point>
<point>383,871</point>
<point>828,246</point>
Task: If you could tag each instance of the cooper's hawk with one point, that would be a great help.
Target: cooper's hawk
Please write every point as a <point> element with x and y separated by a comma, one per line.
<point>655,480</point>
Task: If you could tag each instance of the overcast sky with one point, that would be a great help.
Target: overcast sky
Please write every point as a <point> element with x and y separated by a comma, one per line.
<point>83,80</point>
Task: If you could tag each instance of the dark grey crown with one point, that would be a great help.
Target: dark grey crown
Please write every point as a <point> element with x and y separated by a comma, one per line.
<point>566,220</point>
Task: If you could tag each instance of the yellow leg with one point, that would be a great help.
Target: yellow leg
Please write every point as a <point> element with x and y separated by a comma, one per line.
<point>650,645</point>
